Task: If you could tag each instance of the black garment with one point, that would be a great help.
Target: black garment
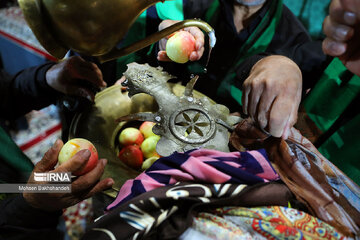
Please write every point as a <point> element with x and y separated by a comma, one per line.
<point>19,220</point>
<point>20,94</point>
<point>26,91</point>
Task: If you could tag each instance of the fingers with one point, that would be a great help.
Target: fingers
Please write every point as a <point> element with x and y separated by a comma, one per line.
<point>257,88</point>
<point>291,122</point>
<point>337,35</point>
<point>196,55</point>
<point>352,6</point>
<point>120,80</point>
<point>333,48</point>
<point>82,69</point>
<point>279,116</point>
<point>89,179</point>
<point>78,90</point>
<point>50,158</point>
<point>162,56</point>
<point>272,93</point>
<point>166,23</point>
<point>339,27</point>
<point>248,87</point>
<point>77,162</point>
<point>266,101</point>
<point>337,32</point>
<point>199,45</point>
<point>245,97</point>
<point>101,186</point>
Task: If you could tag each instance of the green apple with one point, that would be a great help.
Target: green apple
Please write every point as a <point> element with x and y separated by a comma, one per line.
<point>148,147</point>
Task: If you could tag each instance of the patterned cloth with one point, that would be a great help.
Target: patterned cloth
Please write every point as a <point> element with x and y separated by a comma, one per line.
<point>271,222</point>
<point>166,212</point>
<point>200,166</point>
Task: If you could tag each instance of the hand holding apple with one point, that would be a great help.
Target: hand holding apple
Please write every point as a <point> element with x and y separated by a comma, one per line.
<point>82,187</point>
<point>75,145</point>
<point>180,46</point>
<point>198,35</point>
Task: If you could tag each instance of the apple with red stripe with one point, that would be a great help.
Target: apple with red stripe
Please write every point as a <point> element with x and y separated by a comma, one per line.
<point>73,146</point>
<point>180,46</point>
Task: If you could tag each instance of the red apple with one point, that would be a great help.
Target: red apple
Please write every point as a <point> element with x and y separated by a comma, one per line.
<point>132,156</point>
<point>73,146</point>
<point>148,147</point>
<point>146,129</point>
<point>179,46</point>
<point>131,136</point>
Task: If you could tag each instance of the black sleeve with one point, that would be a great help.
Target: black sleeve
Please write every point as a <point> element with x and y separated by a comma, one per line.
<point>19,220</point>
<point>26,91</point>
<point>195,8</point>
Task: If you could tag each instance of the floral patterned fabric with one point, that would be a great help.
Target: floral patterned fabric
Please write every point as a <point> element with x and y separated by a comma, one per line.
<point>272,222</point>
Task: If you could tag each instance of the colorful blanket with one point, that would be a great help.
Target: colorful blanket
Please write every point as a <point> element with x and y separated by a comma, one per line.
<point>200,166</point>
<point>272,222</point>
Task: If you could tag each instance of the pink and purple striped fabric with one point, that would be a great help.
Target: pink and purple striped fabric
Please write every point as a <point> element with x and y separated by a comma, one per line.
<point>200,166</point>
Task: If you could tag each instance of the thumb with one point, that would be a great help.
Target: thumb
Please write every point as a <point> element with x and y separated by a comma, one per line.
<point>75,163</point>
<point>50,158</point>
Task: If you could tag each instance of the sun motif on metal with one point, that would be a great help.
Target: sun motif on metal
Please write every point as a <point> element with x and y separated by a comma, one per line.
<point>192,125</point>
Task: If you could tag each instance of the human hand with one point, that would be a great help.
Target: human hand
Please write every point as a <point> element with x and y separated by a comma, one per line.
<point>342,28</point>
<point>272,94</point>
<point>81,188</point>
<point>196,32</point>
<point>75,76</point>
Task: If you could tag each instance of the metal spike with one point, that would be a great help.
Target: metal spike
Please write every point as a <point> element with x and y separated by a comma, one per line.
<point>141,116</point>
<point>190,86</point>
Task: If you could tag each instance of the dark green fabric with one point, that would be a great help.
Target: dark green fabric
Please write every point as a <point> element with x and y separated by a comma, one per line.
<point>12,155</point>
<point>326,102</point>
<point>331,95</point>
<point>343,149</point>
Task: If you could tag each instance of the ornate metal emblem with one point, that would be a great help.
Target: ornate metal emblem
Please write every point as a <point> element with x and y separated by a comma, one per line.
<point>184,122</point>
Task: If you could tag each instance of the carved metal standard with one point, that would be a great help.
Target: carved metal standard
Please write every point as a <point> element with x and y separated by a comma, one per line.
<point>183,122</point>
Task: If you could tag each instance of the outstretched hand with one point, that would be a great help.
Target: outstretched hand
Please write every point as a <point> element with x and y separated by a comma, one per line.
<point>196,32</point>
<point>81,188</point>
<point>342,30</point>
<point>272,94</point>
<point>75,76</point>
